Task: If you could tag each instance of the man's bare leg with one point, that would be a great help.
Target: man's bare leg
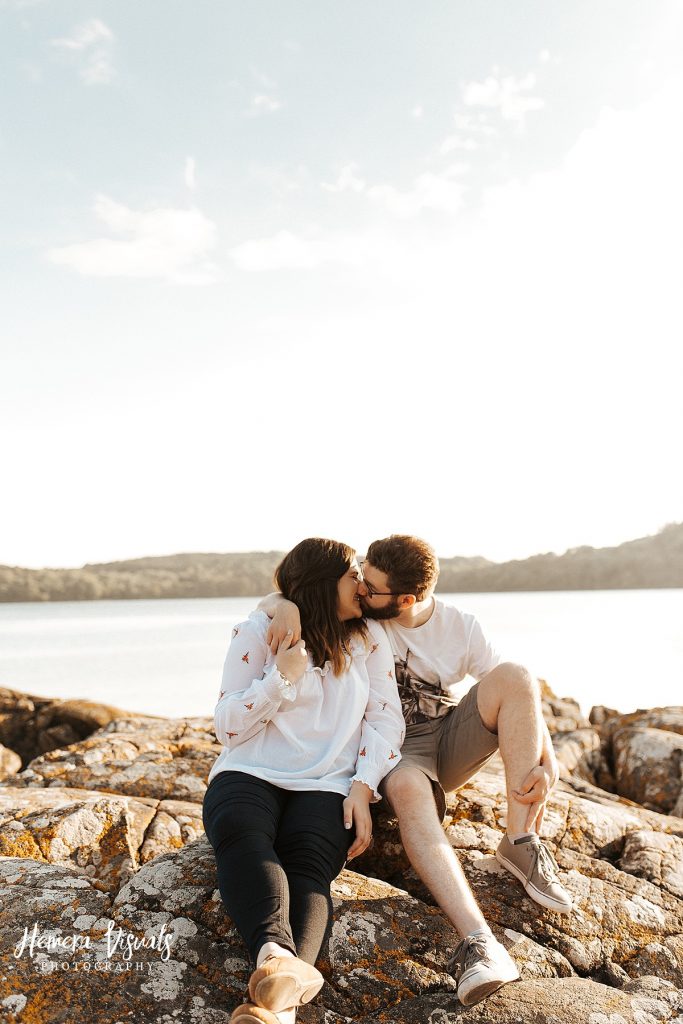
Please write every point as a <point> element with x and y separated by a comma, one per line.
<point>480,964</point>
<point>429,851</point>
<point>510,704</point>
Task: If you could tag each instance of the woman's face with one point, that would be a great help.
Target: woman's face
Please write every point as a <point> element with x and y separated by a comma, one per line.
<point>348,602</point>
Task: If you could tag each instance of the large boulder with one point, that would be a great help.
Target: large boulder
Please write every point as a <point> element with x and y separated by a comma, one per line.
<point>563,1001</point>
<point>164,949</point>
<point>648,766</point>
<point>640,756</point>
<point>576,743</point>
<point>669,719</point>
<point>578,753</point>
<point>31,725</point>
<point>109,836</point>
<point>101,840</point>
<point>10,762</point>
<point>562,714</point>
<point>617,913</point>
<point>655,856</point>
<point>158,758</point>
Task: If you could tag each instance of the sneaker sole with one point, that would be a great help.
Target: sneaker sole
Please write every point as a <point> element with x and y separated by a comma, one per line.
<point>487,988</point>
<point>284,989</point>
<point>535,894</point>
<point>247,1017</point>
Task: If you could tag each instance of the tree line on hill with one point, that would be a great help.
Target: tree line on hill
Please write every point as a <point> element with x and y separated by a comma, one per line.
<point>649,562</point>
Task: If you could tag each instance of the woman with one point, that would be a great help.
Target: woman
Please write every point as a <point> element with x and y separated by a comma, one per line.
<point>308,734</point>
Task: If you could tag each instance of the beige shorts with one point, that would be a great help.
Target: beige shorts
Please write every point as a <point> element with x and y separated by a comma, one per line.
<point>449,750</point>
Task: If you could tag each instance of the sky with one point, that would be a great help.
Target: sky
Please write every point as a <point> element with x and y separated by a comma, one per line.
<point>277,269</point>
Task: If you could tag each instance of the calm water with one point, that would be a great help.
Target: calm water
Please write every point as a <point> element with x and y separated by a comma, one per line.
<point>620,648</point>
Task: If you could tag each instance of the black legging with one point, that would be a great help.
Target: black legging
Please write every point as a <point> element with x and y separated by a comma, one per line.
<point>277,851</point>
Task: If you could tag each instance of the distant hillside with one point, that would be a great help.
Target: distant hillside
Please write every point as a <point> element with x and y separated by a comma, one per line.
<point>648,562</point>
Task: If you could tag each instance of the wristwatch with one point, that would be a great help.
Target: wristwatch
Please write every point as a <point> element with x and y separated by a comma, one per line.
<point>285,686</point>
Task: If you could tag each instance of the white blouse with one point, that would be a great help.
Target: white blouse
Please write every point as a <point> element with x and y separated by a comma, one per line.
<point>335,730</point>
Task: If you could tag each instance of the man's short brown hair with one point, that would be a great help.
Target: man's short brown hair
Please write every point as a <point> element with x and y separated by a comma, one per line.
<point>410,564</point>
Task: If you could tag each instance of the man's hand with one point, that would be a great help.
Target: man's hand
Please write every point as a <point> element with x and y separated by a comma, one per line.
<point>291,661</point>
<point>357,812</point>
<point>536,787</point>
<point>285,620</point>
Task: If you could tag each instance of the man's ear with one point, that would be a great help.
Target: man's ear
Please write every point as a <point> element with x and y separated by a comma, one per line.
<point>407,600</point>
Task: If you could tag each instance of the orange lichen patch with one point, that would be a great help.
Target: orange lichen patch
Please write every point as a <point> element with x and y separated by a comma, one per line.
<point>374,966</point>
<point>20,844</point>
<point>43,994</point>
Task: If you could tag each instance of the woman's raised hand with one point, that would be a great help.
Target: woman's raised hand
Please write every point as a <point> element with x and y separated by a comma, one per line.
<point>286,621</point>
<point>291,661</point>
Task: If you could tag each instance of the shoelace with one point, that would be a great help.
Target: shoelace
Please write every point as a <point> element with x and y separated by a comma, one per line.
<point>471,950</point>
<point>546,863</point>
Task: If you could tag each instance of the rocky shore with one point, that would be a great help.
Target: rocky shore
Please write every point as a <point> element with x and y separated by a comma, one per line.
<point>109,910</point>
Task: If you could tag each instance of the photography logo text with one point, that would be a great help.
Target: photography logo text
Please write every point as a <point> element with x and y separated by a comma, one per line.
<point>120,944</point>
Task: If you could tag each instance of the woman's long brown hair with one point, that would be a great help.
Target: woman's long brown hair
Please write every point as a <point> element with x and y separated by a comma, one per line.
<point>308,576</point>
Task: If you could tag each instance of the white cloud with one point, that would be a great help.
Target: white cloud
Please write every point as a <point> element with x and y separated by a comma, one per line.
<point>475,124</point>
<point>417,111</point>
<point>441,192</point>
<point>283,251</point>
<point>454,142</point>
<point>584,259</point>
<point>93,39</point>
<point>348,180</point>
<point>289,251</point>
<point>98,68</point>
<point>190,176</point>
<point>165,243</point>
<point>264,103</point>
<point>264,80</point>
<point>508,95</point>
<point>85,35</point>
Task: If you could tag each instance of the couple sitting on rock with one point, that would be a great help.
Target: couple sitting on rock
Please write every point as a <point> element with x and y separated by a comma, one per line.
<point>355,691</point>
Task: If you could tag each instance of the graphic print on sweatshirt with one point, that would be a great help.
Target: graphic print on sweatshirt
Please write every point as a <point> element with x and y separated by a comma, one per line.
<point>420,700</point>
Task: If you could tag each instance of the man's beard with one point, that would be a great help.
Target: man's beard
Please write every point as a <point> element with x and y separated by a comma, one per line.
<point>389,611</point>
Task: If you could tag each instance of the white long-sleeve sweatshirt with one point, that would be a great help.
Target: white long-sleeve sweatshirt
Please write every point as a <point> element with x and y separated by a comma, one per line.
<point>336,730</point>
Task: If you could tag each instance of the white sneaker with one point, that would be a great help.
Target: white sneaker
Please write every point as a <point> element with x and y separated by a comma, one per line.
<point>480,966</point>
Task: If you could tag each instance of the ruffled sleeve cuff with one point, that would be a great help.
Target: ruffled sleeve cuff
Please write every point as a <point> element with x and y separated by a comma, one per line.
<point>372,774</point>
<point>277,687</point>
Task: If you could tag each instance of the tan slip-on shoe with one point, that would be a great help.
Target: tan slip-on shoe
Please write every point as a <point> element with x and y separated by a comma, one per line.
<point>247,1013</point>
<point>533,864</point>
<point>284,981</point>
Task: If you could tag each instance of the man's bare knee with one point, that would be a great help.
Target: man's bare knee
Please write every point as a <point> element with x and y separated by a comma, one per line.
<point>407,788</point>
<point>507,681</point>
<point>505,685</point>
<point>518,680</point>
